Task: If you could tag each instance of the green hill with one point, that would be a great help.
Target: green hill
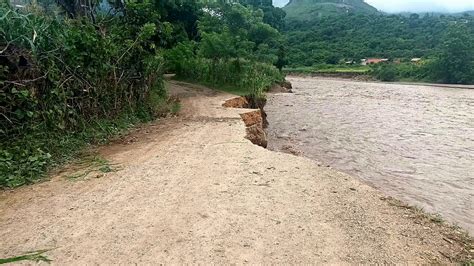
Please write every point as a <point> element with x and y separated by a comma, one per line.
<point>308,9</point>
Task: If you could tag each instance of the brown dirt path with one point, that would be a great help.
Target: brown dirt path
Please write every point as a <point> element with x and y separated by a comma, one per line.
<point>192,189</point>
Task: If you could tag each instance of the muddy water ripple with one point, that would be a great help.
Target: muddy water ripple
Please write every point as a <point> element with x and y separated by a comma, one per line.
<point>415,143</point>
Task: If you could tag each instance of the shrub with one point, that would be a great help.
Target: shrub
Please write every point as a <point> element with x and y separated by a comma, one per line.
<point>59,76</point>
<point>385,72</point>
<point>252,78</point>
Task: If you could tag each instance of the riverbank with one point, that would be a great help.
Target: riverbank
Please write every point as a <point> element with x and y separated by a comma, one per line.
<point>192,189</point>
<point>357,77</point>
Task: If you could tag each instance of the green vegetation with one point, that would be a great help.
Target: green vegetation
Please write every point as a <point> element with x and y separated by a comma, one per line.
<point>443,42</point>
<point>92,164</point>
<point>310,9</point>
<point>68,82</point>
<point>237,50</point>
<point>385,72</point>
<point>72,75</point>
<point>455,63</point>
<point>330,69</point>
<point>336,39</point>
<point>36,256</point>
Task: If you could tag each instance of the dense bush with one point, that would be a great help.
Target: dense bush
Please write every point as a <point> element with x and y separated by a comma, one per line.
<point>237,49</point>
<point>59,77</point>
<point>385,72</point>
<point>247,77</point>
<point>455,62</point>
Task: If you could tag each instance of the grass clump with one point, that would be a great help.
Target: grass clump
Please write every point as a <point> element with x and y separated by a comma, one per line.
<point>92,164</point>
<point>36,256</point>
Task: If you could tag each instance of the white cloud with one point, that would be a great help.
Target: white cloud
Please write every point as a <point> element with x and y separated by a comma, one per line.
<point>280,3</point>
<point>413,5</point>
<point>423,5</point>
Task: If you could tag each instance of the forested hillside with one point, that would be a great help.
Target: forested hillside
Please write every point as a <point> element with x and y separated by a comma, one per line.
<point>345,37</point>
<point>77,72</point>
<point>443,42</point>
<point>310,9</point>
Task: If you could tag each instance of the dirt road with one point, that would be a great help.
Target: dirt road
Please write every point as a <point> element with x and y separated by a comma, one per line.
<point>192,189</point>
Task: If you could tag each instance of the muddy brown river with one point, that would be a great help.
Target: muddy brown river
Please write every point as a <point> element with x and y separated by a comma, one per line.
<point>415,143</point>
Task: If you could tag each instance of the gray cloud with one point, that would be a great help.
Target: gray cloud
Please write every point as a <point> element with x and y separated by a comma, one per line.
<point>423,5</point>
<point>413,5</point>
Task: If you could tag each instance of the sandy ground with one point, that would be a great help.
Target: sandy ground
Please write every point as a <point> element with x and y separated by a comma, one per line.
<point>192,189</point>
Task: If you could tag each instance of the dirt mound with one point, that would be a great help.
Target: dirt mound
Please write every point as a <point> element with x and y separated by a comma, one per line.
<point>239,102</point>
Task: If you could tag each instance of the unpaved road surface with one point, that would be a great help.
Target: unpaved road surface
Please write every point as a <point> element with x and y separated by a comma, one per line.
<point>192,189</point>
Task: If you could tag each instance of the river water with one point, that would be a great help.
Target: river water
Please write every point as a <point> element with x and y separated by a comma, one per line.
<point>415,143</point>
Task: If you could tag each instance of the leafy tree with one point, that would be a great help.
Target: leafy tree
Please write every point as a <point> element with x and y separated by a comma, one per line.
<point>282,60</point>
<point>385,72</point>
<point>455,63</point>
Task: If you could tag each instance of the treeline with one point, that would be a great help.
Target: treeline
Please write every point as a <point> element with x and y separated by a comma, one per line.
<point>75,72</point>
<point>443,42</point>
<point>333,39</point>
<point>236,48</point>
<point>453,63</point>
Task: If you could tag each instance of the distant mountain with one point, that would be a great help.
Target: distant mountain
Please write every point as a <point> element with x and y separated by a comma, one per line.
<point>308,9</point>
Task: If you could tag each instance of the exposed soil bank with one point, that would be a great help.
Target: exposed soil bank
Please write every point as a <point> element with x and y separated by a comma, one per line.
<point>192,189</point>
<point>255,121</point>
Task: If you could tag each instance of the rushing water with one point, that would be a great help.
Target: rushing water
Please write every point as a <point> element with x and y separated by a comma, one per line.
<point>415,143</point>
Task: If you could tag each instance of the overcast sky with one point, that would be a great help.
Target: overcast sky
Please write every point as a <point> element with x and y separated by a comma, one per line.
<point>414,5</point>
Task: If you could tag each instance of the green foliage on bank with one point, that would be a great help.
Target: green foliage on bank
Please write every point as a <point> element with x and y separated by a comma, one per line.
<point>75,73</point>
<point>68,82</point>
<point>443,42</point>
<point>237,50</point>
<point>329,69</point>
<point>454,64</point>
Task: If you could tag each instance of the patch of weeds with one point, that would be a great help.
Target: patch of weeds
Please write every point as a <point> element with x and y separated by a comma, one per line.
<point>92,164</point>
<point>36,256</point>
<point>106,169</point>
<point>436,218</point>
<point>451,233</point>
<point>175,107</point>
<point>79,175</point>
<point>27,159</point>
<point>468,263</point>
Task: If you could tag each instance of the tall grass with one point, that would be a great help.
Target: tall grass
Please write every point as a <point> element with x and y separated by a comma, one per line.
<point>65,83</point>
